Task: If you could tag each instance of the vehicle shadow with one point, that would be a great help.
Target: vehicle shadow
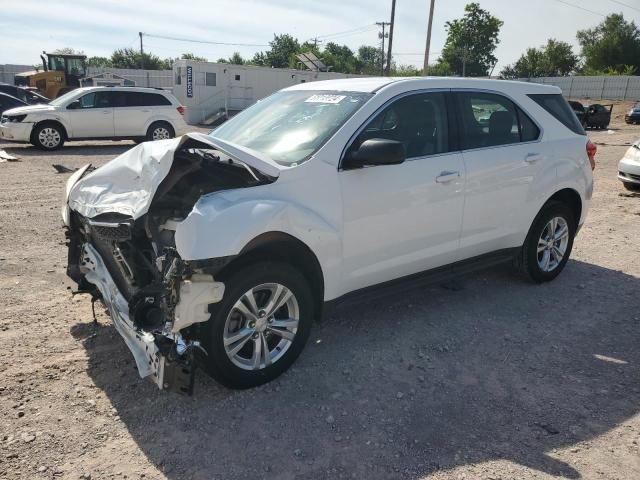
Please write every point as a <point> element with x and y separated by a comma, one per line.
<point>487,368</point>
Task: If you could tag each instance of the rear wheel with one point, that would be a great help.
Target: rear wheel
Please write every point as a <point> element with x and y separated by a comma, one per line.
<point>48,136</point>
<point>160,131</point>
<point>633,187</point>
<point>261,325</point>
<point>549,242</point>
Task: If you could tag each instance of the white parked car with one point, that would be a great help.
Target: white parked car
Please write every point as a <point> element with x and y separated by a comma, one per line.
<point>629,168</point>
<point>113,113</point>
<point>233,243</point>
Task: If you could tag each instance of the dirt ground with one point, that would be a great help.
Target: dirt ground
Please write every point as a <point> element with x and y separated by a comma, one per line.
<point>486,377</point>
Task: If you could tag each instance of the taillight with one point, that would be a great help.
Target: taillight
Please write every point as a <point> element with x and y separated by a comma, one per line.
<point>180,109</point>
<point>592,149</point>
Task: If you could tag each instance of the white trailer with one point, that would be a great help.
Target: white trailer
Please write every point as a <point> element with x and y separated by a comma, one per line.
<point>213,91</point>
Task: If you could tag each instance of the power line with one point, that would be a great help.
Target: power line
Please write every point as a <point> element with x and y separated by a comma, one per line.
<point>355,30</point>
<point>193,40</point>
<point>625,5</point>
<point>581,8</point>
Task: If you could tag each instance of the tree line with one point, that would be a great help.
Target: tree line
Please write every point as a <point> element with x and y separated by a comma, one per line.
<point>610,48</point>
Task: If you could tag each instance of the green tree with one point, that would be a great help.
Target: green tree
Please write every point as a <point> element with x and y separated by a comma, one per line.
<point>191,56</point>
<point>68,51</point>
<point>339,57</point>
<point>368,60</point>
<point>236,59</point>
<point>554,59</point>
<point>471,41</point>
<point>282,52</point>
<point>130,58</point>
<point>612,44</point>
<point>99,62</point>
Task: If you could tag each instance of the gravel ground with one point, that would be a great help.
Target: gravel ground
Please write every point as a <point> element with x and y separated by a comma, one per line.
<point>486,377</point>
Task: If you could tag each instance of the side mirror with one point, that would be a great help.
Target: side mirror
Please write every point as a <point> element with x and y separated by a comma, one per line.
<point>74,105</point>
<point>376,151</point>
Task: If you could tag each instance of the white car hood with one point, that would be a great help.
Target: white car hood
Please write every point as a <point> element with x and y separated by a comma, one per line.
<point>40,108</point>
<point>128,183</point>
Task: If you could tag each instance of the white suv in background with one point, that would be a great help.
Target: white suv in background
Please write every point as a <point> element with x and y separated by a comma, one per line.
<point>113,113</point>
<point>234,242</point>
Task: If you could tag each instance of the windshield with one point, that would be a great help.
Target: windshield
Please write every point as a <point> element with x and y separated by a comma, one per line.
<point>64,98</point>
<point>290,126</point>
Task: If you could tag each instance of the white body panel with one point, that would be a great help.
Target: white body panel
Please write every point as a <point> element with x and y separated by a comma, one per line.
<point>630,165</point>
<point>374,224</point>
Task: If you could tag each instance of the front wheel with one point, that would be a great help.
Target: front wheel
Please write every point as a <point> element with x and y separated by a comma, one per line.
<point>549,242</point>
<point>261,325</point>
<point>48,136</point>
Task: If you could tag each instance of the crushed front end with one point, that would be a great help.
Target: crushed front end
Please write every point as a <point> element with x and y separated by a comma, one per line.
<point>120,224</point>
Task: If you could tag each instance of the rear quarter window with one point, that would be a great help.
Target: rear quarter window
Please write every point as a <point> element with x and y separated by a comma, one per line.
<point>558,107</point>
<point>144,99</point>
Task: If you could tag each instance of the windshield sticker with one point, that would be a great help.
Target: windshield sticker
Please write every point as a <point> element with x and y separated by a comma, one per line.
<point>325,98</point>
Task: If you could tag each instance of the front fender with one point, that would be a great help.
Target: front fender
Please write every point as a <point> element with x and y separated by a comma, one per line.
<point>220,227</point>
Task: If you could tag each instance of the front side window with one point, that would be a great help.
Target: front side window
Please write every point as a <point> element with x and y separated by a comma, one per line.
<point>418,121</point>
<point>290,126</point>
<point>488,120</point>
<point>96,100</point>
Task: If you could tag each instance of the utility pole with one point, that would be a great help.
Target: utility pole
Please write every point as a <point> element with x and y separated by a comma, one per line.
<point>141,52</point>
<point>428,46</point>
<point>382,36</point>
<point>393,14</point>
<point>316,42</point>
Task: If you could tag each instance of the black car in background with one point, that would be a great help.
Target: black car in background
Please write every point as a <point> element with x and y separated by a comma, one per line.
<point>594,115</point>
<point>7,102</point>
<point>27,96</point>
<point>633,115</point>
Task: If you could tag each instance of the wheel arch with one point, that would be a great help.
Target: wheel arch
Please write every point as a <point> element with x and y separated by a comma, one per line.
<point>48,120</point>
<point>569,197</point>
<point>280,246</point>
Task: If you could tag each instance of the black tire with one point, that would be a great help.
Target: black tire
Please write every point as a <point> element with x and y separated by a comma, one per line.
<point>45,134</point>
<point>217,363</point>
<point>156,128</point>
<point>528,261</point>
<point>632,187</point>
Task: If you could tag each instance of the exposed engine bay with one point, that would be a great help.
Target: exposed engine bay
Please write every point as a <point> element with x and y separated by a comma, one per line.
<point>156,300</point>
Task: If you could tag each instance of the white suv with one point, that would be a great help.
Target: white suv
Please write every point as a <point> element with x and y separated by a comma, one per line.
<point>114,113</point>
<point>233,243</point>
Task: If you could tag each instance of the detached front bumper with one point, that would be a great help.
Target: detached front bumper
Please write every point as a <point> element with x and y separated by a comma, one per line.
<point>16,131</point>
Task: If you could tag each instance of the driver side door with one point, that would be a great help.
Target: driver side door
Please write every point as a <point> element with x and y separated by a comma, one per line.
<point>405,218</point>
<point>93,116</point>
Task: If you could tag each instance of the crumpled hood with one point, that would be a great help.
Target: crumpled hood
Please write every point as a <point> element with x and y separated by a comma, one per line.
<point>128,183</point>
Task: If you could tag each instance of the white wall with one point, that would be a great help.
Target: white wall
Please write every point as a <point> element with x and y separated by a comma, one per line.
<point>605,87</point>
<point>253,84</point>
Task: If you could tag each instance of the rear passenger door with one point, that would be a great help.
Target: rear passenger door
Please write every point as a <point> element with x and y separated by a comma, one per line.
<point>134,110</point>
<point>502,156</point>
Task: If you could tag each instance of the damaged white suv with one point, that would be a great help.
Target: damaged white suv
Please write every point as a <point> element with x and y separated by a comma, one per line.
<point>221,250</point>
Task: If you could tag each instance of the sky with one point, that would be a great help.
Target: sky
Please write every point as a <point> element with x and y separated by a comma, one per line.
<point>101,26</point>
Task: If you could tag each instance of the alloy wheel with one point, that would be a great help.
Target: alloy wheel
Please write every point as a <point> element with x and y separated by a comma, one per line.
<point>552,244</point>
<point>49,137</point>
<point>160,133</point>
<point>261,326</point>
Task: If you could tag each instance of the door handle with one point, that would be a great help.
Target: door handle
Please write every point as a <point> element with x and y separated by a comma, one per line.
<point>532,157</point>
<point>145,110</point>
<point>106,112</point>
<point>446,177</point>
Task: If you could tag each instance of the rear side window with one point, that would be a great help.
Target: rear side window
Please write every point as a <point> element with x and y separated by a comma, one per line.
<point>556,105</point>
<point>142,99</point>
<point>488,120</point>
